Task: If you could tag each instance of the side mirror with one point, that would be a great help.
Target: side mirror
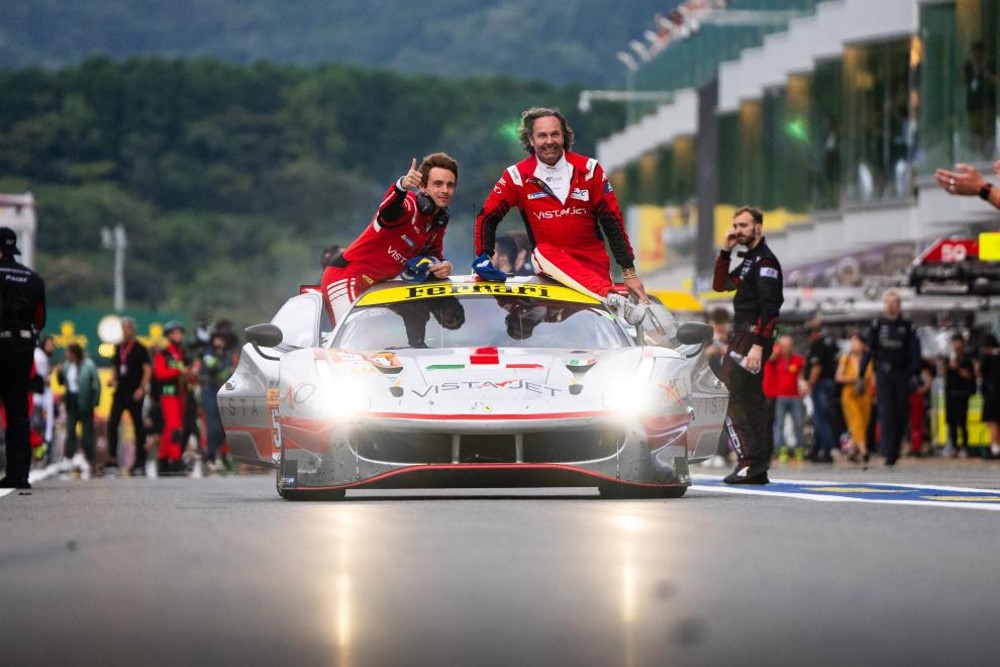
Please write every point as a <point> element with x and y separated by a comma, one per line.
<point>694,333</point>
<point>264,335</point>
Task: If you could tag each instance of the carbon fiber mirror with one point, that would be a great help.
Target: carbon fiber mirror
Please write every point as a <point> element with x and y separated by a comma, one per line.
<point>694,333</point>
<point>264,335</point>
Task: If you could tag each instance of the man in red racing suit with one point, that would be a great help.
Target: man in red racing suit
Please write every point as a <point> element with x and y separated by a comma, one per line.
<point>408,224</point>
<point>569,208</point>
<point>170,370</point>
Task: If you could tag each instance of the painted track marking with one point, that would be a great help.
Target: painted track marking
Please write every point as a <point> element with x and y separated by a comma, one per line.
<point>875,492</point>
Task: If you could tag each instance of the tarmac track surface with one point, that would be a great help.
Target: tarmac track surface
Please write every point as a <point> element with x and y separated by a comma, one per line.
<point>222,571</point>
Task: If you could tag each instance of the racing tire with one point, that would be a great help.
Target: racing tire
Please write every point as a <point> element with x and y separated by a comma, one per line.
<point>626,492</point>
<point>313,494</point>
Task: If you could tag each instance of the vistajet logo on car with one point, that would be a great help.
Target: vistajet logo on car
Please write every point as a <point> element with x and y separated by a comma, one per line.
<point>533,387</point>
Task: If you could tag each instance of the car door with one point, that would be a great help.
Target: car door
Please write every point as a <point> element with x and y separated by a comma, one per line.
<point>248,402</point>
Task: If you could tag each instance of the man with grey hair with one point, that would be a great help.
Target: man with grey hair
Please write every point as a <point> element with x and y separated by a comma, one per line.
<point>569,209</point>
<point>894,348</point>
<point>130,375</point>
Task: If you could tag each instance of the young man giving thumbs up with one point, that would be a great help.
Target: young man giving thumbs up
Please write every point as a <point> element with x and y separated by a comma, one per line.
<point>407,232</point>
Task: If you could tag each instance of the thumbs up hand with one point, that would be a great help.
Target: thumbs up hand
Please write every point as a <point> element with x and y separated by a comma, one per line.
<point>413,178</point>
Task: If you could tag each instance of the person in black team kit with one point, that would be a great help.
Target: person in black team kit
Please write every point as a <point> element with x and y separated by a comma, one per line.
<point>22,316</point>
<point>759,285</point>
<point>894,348</point>
<point>130,375</point>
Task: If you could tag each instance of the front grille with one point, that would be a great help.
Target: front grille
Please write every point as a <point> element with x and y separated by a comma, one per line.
<point>387,446</point>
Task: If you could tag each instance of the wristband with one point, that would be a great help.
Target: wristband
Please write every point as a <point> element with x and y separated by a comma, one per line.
<point>984,192</point>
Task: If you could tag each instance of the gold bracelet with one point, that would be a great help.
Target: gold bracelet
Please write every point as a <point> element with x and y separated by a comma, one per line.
<point>629,274</point>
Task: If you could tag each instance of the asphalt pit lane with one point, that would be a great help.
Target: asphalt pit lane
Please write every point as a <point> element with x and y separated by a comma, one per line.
<point>665,590</point>
<point>689,632</point>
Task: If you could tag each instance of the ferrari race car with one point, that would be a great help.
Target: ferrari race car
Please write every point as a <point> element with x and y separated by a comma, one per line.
<point>463,383</point>
<point>953,264</point>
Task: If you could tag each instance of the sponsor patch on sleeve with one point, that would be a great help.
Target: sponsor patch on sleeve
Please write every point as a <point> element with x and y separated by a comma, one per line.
<point>607,186</point>
<point>769,272</point>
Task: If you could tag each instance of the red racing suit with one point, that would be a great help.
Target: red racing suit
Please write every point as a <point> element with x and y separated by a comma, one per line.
<point>398,232</point>
<point>169,371</point>
<point>567,237</point>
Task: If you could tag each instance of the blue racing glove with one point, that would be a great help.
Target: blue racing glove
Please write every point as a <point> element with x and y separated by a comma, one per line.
<point>484,269</point>
<point>418,269</point>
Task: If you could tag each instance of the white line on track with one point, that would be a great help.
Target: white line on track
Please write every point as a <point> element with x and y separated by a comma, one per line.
<point>4,492</point>
<point>805,495</point>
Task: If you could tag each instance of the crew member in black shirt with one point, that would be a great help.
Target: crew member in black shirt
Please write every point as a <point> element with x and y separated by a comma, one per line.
<point>822,365</point>
<point>959,386</point>
<point>894,348</point>
<point>22,316</point>
<point>758,283</point>
<point>130,376</point>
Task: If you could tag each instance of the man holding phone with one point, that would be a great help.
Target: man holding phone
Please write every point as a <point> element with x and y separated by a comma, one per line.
<point>758,283</point>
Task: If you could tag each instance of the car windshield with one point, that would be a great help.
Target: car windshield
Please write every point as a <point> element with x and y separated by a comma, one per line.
<point>480,321</point>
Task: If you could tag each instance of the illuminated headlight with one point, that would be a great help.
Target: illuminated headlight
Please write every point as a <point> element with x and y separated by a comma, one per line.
<point>629,400</point>
<point>340,396</point>
<point>630,394</point>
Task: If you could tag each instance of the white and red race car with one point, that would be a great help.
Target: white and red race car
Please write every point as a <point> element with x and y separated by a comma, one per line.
<point>463,383</point>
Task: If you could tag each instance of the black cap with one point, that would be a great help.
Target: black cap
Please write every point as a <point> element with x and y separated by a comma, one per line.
<point>8,241</point>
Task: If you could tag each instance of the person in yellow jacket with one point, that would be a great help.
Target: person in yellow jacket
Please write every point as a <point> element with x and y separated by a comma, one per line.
<point>857,407</point>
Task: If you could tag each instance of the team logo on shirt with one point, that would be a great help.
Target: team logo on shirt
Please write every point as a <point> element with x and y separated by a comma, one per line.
<point>537,195</point>
<point>580,193</point>
<point>769,272</point>
<point>408,241</point>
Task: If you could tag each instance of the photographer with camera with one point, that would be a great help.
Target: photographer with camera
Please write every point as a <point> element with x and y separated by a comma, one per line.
<point>407,229</point>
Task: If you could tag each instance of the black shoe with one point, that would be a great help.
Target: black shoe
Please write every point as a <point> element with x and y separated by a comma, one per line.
<point>137,471</point>
<point>11,483</point>
<point>746,475</point>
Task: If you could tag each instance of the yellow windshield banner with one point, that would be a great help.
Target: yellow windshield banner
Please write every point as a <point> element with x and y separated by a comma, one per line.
<point>432,290</point>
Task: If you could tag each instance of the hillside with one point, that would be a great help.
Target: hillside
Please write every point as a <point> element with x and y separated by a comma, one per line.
<point>558,42</point>
<point>229,178</point>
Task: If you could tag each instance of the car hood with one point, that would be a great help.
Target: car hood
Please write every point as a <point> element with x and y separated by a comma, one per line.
<point>461,381</point>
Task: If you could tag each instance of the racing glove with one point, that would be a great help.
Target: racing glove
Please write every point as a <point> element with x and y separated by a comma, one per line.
<point>484,269</point>
<point>417,269</point>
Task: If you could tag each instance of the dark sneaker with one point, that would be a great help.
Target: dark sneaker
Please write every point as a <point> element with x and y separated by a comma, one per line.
<point>746,475</point>
<point>10,483</point>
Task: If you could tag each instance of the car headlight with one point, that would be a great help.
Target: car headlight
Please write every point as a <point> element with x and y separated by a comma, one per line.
<point>629,394</point>
<point>340,396</point>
